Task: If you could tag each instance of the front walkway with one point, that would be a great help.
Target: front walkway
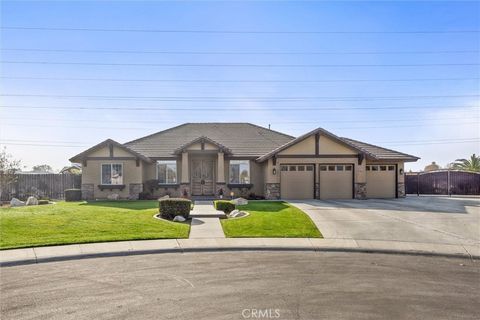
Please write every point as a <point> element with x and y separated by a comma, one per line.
<point>205,221</point>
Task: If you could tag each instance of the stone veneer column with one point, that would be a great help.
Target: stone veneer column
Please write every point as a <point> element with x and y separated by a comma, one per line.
<point>360,191</point>
<point>134,190</point>
<point>272,191</point>
<point>87,191</point>
<point>401,189</point>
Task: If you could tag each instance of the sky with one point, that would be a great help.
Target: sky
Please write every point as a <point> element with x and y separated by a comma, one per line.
<point>403,75</point>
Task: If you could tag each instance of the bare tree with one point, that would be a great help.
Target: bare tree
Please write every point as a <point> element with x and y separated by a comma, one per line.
<point>8,169</point>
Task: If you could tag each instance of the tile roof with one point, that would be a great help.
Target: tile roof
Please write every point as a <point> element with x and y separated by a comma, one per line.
<point>380,153</point>
<point>242,139</point>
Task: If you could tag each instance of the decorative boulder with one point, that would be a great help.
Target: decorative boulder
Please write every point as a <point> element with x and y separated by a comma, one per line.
<point>179,219</point>
<point>16,203</point>
<point>240,201</point>
<point>233,213</point>
<point>164,197</point>
<point>237,214</point>
<point>32,201</point>
<point>113,196</point>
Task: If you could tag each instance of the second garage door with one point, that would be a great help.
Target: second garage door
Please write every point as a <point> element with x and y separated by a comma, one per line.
<point>381,181</point>
<point>296,181</point>
<point>336,181</point>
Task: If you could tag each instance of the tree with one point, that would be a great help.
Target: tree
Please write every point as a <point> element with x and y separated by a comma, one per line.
<point>8,169</point>
<point>44,168</point>
<point>472,164</point>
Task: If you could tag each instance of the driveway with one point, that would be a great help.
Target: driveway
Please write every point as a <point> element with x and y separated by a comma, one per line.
<point>288,285</point>
<point>440,220</point>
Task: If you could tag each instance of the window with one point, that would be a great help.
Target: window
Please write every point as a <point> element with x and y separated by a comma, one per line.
<point>349,168</point>
<point>374,168</point>
<point>368,168</point>
<point>339,168</point>
<point>167,172</point>
<point>284,168</point>
<point>293,168</point>
<point>240,171</point>
<point>323,168</point>
<point>331,168</point>
<point>391,168</point>
<point>383,168</point>
<point>309,168</point>
<point>301,168</point>
<point>112,173</point>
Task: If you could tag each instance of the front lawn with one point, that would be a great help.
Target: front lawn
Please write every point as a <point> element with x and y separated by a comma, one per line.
<point>80,222</point>
<point>271,219</point>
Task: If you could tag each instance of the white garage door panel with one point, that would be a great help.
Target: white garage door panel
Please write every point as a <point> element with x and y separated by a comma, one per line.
<point>381,181</point>
<point>296,181</point>
<point>336,181</point>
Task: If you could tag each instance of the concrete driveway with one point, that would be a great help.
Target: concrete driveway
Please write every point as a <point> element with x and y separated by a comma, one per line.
<point>440,220</point>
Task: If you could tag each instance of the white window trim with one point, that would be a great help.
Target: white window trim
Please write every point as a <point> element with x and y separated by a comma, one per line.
<point>176,171</point>
<point>101,174</point>
<point>249,172</point>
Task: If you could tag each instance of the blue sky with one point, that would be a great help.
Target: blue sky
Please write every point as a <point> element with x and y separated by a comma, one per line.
<point>347,81</point>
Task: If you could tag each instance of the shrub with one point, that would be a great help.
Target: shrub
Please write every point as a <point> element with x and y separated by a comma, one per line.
<point>73,195</point>
<point>224,205</point>
<point>145,195</point>
<point>171,207</point>
<point>43,202</point>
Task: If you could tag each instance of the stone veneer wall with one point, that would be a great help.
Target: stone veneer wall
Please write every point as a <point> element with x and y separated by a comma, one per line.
<point>272,191</point>
<point>360,191</point>
<point>87,191</point>
<point>401,189</point>
<point>134,189</point>
<point>317,190</point>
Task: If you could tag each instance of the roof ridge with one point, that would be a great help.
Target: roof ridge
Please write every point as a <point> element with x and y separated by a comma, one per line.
<point>258,126</point>
<point>158,132</point>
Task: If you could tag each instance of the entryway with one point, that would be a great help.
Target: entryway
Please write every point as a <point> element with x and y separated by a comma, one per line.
<point>203,177</point>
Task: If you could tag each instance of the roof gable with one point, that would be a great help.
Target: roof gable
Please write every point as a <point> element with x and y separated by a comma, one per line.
<point>203,140</point>
<point>106,143</point>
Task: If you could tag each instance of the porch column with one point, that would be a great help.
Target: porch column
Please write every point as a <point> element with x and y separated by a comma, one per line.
<point>220,168</point>
<point>185,176</point>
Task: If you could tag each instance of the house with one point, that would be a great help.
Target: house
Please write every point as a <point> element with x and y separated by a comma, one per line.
<point>242,159</point>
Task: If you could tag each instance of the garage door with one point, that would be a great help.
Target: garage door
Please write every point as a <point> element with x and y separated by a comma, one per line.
<point>380,181</point>
<point>296,181</point>
<point>336,181</point>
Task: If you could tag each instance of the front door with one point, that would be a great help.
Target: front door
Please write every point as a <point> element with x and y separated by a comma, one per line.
<point>202,177</point>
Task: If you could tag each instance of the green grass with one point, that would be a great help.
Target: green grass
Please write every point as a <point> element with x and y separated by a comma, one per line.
<point>271,219</point>
<point>81,222</point>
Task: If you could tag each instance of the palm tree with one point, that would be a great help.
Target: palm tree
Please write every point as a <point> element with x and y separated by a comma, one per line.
<point>472,164</point>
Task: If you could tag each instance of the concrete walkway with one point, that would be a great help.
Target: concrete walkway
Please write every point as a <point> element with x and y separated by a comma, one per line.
<point>205,221</point>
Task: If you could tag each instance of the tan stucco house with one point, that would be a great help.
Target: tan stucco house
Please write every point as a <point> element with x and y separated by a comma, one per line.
<point>218,159</point>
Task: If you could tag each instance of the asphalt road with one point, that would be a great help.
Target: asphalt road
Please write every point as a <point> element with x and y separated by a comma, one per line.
<point>244,285</point>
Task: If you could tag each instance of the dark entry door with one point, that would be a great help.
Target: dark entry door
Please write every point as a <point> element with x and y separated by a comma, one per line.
<point>202,177</point>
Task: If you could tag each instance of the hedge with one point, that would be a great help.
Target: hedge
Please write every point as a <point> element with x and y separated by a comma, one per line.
<point>73,195</point>
<point>224,205</point>
<point>171,207</point>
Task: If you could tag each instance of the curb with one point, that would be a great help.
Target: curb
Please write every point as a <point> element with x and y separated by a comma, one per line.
<point>211,245</point>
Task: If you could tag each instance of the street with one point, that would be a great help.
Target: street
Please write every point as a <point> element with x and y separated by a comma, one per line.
<point>244,285</point>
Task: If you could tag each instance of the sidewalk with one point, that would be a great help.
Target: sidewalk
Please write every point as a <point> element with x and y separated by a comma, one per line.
<point>121,248</point>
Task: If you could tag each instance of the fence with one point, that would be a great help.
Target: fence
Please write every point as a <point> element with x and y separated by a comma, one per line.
<point>49,185</point>
<point>446,182</point>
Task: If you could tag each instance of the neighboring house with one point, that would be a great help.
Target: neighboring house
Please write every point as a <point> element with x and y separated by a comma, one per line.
<point>72,169</point>
<point>213,159</point>
<point>432,167</point>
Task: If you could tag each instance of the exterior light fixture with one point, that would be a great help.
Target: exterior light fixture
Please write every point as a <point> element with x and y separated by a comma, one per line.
<point>274,171</point>
<point>232,194</point>
<point>401,172</point>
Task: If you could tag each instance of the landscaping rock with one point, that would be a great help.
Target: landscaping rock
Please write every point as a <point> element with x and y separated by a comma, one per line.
<point>164,197</point>
<point>16,203</point>
<point>113,196</point>
<point>240,201</point>
<point>179,219</point>
<point>237,214</point>
<point>32,201</point>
